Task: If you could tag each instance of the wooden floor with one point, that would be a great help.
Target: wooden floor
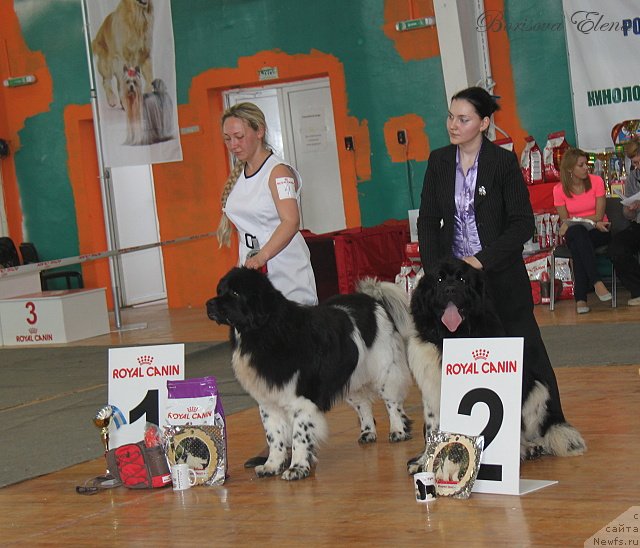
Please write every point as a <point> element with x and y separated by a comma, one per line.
<point>357,495</point>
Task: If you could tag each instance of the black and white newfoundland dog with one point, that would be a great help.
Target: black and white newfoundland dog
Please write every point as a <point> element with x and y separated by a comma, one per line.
<point>451,301</point>
<point>297,361</point>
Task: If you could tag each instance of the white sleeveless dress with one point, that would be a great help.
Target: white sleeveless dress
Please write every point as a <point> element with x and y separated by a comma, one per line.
<point>250,207</point>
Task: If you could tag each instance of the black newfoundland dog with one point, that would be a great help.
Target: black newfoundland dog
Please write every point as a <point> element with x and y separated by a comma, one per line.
<point>451,301</point>
<point>297,361</point>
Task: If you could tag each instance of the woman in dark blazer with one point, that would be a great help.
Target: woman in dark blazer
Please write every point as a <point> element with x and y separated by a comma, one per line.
<point>475,206</point>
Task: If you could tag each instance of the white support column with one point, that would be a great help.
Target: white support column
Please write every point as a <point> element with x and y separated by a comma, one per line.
<point>464,48</point>
<point>451,46</point>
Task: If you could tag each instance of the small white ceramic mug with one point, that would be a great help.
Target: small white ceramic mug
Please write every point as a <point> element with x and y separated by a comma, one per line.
<point>425,486</point>
<point>182,477</point>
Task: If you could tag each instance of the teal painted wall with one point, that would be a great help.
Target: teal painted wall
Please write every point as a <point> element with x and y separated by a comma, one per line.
<point>540,68</point>
<point>215,33</point>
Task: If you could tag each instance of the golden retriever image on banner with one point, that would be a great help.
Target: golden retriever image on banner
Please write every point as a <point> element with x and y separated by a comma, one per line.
<point>125,39</point>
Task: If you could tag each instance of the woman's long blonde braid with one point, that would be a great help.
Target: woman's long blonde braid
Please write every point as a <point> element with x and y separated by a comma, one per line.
<point>224,227</point>
<point>253,116</point>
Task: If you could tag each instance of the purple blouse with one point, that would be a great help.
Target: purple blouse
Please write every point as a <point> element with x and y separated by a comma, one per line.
<point>466,242</point>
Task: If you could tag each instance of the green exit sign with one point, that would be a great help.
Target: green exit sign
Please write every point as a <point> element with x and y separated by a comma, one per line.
<point>411,24</point>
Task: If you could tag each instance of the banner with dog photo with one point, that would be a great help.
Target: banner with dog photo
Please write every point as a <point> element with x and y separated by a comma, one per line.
<point>134,66</point>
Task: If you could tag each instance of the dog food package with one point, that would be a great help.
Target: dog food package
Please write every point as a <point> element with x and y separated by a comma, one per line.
<point>531,162</point>
<point>554,227</point>
<point>536,264</point>
<point>455,461</point>
<point>506,143</point>
<point>542,225</point>
<point>195,428</point>
<point>564,278</point>
<point>406,278</point>
<point>553,151</point>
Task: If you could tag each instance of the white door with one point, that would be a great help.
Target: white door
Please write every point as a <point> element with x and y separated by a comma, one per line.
<point>301,129</point>
<point>316,156</point>
<point>136,223</point>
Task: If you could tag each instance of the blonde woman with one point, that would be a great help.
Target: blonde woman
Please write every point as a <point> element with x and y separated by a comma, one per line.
<point>261,198</point>
<point>582,195</point>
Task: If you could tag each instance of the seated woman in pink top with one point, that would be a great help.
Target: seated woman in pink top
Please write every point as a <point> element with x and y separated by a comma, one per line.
<point>582,195</point>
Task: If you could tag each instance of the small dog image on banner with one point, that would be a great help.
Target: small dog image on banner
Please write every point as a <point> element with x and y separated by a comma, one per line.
<point>149,115</point>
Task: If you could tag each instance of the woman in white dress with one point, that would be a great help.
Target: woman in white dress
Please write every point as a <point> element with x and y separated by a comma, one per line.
<point>262,199</point>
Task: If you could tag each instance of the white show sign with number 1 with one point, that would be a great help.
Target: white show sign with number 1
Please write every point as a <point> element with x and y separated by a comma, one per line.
<point>138,386</point>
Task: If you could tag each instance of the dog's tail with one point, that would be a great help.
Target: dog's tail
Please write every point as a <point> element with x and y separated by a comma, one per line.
<point>395,301</point>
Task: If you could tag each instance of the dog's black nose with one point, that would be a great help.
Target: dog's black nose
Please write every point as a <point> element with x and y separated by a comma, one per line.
<point>211,309</point>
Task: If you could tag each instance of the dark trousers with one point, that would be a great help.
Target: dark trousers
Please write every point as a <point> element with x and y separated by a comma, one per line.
<point>511,293</point>
<point>623,250</point>
<point>582,243</point>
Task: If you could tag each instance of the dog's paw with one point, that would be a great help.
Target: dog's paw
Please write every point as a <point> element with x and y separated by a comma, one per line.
<point>367,437</point>
<point>395,437</point>
<point>267,470</point>
<point>430,427</point>
<point>416,464</point>
<point>531,451</point>
<point>296,472</point>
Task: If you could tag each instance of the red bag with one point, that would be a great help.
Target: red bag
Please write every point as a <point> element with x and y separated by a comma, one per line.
<point>137,466</point>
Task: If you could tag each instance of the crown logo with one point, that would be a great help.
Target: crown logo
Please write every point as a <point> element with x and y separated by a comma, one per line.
<point>192,409</point>
<point>145,360</point>
<point>33,330</point>
<point>480,354</point>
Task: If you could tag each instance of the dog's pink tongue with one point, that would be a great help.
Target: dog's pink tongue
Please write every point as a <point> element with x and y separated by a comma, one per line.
<point>451,317</point>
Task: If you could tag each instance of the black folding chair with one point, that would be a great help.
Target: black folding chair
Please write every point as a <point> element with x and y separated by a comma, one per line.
<point>30,255</point>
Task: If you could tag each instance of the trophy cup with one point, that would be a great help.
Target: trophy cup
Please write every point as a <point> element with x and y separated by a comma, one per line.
<point>102,420</point>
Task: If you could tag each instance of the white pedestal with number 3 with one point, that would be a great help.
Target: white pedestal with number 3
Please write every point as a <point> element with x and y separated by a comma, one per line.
<point>54,317</point>
<point>481,394</point>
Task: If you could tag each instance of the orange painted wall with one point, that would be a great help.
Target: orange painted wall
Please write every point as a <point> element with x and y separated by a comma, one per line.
<point>417,146</point>
<point>18,104</point>
<point>499,53</point>
<point>83,172</point>
<point>413,44</point>
<point>188,192</point>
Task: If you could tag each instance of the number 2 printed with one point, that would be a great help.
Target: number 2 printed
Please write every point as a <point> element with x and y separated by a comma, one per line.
<point>491,472</point>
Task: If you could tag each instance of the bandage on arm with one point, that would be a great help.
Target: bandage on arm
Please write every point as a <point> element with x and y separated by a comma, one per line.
<point>286,187</point>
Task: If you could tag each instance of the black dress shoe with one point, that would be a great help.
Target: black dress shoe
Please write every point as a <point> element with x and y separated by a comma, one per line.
<point>258,460</point>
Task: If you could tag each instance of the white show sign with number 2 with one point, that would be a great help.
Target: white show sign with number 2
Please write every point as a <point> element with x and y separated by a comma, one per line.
<point>481,394</point>
<point>138,386</point>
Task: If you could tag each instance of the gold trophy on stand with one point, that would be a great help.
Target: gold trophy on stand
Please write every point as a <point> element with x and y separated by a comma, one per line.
<point>102,420</point>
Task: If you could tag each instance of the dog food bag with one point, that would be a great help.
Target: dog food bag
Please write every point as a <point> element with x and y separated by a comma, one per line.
<point>531,162</point>
<point>506,143</point>
<point>563,276</point>
<point>536,264</point>
<point>554,223</point>
<point>406,279</point>
<point>195,428</point>
<point>455,461</point>
<point>553,151</point>
<point>541,229</point>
